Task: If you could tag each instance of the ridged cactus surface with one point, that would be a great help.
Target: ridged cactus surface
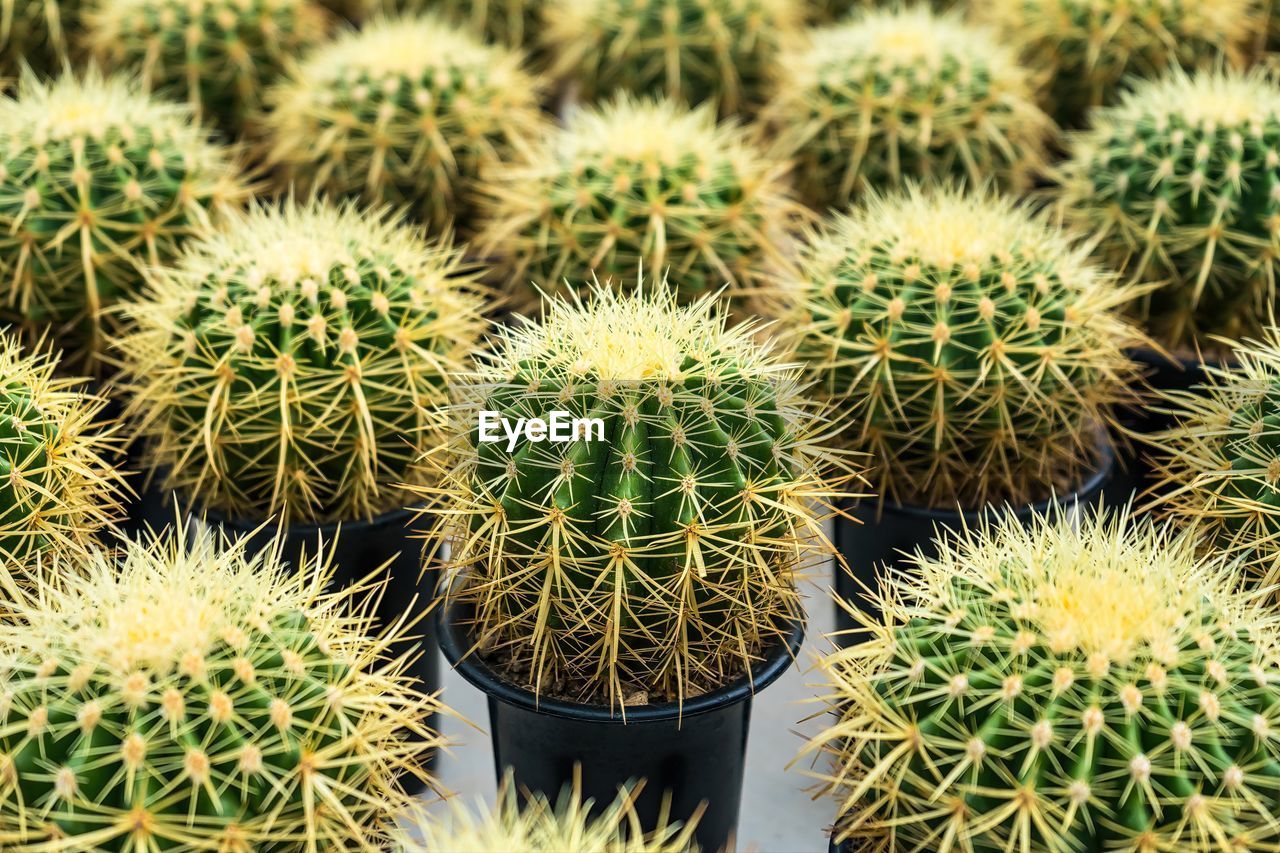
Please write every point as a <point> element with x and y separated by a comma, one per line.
<point>292,364</point>
<point>192,698</point>
<point>408,111</point>
<point>1179,185</point>
<point>975,347</point>
<point>36,33</point>
<point>645,560</point>
<point>217,55</point>
<point>1076,686</point>
<point>696,51</point>
<point>636,185</point>
<point>97,182</point>
<point>906,93</point>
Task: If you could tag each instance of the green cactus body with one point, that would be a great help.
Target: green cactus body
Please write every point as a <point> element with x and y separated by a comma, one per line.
<point>217,55</point>
<point>1086,48</point>
<point>1076,686</point>
<point>1179,186</point>
<point>977,348</point>
<point>640,185</point>
<point>291,364</point>
<point>696,51</point>
<point>96,183</point>
<point>673,531</point>
<point>902,94</point>
<point>34,33</point>
<point>192,698</point>
<point>406,112</point>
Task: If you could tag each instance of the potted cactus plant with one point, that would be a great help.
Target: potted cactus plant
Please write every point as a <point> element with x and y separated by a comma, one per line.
<point>189,696</point>
<point>289,370</point>
<point>621,594</point>
<point>1079,685</point>
<point>976,351</point>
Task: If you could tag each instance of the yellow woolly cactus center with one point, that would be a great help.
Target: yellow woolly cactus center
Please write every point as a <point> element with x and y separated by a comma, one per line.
<point>395,47</point>
<point>915,38</point>
<point>1228,98</point>
<point>657,131</point>
<point>90,106</point>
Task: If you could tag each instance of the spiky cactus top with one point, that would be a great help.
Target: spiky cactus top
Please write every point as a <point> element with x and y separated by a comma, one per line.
<point>639,184</point>
<point>291,364</point>
<point>905,93</point>
<point>97,182</point>
<point>407,111</point>
<point>1180,185</point>
<point>1088,47</point>
<point>696,51</point>
<point>652,558</point>
<point>193,698</point>
<point>1076,686</point>
<point>976,348</point>
<point>217,55</point>
<point>35,33</point>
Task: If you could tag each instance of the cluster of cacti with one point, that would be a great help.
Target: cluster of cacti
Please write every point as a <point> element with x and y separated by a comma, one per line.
<point>977,349</point>
<point>536,825</point>
<point>655,555</point>
<point>638,185</point>
<point>1081,685</point>
<point>1087,49</point>
<point>407,111</point>
<point>217,55</point>
<point>905,93</point>
<point>189,697</point>
<point>36,33</point>
<point>97,182</point>
<point>292,364</point>
<point>1178,187</point>
<point>717,51</point>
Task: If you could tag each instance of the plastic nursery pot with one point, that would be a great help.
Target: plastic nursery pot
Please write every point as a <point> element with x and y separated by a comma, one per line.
<point>695,755</point>
<point>877,537</point>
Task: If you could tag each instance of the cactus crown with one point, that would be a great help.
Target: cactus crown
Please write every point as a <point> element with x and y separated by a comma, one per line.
<point>96,182</point>
<point>407,111</point>
<point>639,184</point>
<point>191,697</point>
<point>695,51</point>
<point>688,510</point>
<point>292,363</point>
<point>1180,184</point>
<point>977,348</point>
<point>905,93</point>
<point>1072,686</point>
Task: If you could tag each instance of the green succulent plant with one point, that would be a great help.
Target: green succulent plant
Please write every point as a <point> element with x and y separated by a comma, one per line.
<point>898,94</point>
<point>97,182</point>
<point>217,55</point>
<point>407,111</point>
<point>1087,48</point>
<point>1079,685</point>
<point>976,349</point>
<point>638,185</point>
<point>654,557</point>
<point>35,33</point>
<point>696,51</point>
<point>186,697</point>
<point>1179,186</point>
<point>292,364</point>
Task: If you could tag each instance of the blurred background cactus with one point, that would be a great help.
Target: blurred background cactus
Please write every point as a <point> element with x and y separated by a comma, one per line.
<point>190,697</point>
<point>691,514</point>
<point>217,55</point>
<point>513,23</point>
<point>976,349</point>
<point>408,111</point>
<point>292,364</point>
<point>1179,186</point>
<point>906,93</point>
<point>97,182</point>
<point>1086,48</point>
<point>1082,685</point>
<point>37,34</point>
<point>639,184</point>
<point>696,51</point>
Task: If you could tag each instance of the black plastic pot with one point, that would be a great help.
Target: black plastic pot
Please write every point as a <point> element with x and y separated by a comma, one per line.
<point>880,536</point>
<point>695,754</point>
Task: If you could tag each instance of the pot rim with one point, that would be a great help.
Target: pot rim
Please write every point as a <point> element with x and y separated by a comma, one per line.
<point>777,661</point>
